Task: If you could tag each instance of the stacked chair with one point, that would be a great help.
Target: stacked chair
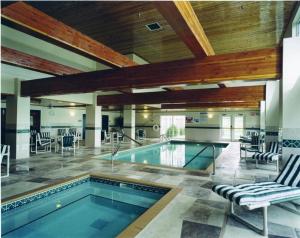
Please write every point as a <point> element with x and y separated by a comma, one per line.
<point>67,142</point>
<point>5,152</point>
<point>40,142</point>
<point>140,134</point>
<point>253,147</point>
<point>285,188</point>
<point>76,134</point>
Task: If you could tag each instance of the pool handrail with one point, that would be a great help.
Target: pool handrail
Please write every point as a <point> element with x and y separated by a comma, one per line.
<point>200,152</point>
<point>124,135</point>
<point>163,137</point>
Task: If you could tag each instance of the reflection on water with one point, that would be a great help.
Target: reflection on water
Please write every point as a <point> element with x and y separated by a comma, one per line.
<point>172,155</point>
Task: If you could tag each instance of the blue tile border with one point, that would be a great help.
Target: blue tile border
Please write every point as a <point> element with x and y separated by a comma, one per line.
<point>8,206</point>
<point>291,143</point>
<point>39,195</point>
<point>131,185</point>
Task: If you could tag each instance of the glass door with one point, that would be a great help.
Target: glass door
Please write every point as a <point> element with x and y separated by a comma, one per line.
<point>238,127</point>
<point>172,126</point>
<point>226,127</point>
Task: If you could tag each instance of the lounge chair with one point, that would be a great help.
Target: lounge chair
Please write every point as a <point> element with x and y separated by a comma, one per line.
<point>5,152</point>
<point>286,187</point>
<point>271,155</point>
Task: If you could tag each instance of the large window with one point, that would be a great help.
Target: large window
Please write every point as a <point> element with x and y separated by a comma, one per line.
<point>172,126</point>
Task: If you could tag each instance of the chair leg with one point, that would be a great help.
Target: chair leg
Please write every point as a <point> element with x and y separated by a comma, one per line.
<point>263,231</point>
<point>7,166</point>
<point>265,227</point>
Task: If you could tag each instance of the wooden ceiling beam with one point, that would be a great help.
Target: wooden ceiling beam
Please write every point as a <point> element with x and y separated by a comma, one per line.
<point>184,21</point>
<point>215,95</point>
<point>30,20</point>
<point>253,65</point>
<point>247,104</point>
<point>20,59</point>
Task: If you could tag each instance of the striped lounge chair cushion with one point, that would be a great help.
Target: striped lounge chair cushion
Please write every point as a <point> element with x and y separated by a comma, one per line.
<point>285,187</point>
<point>268,156</point>
<point>290,175</point>
<point>274,147</point>
<point>257,194</point>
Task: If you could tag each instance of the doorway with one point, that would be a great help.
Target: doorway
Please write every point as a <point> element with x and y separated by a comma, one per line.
<point>83,125</point>
<point>238,127</point>
<point>226,127</point>
<point>3,121</point>
<point>35,120</point>
<point>172,126</point>
<point>105,120</point>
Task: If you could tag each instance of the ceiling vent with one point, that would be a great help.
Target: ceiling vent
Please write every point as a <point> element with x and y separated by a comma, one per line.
<point>154,26</point>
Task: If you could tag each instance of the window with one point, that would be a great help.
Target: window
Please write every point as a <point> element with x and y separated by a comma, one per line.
<point>226,127</point>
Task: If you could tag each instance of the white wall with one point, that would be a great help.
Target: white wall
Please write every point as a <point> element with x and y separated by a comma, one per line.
<point>209,130</point>
<point>54,118</point>
<point>291,96</point>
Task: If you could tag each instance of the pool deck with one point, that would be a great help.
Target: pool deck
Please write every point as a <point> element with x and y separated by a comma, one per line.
<point>195,212</point>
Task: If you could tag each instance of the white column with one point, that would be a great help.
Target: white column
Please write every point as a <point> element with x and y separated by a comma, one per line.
<point>262,116</point>
<point>272,111</point>
<point>291,97</point>
<point>93,125</point>
<point>129,120</point>
<point>18,124</point>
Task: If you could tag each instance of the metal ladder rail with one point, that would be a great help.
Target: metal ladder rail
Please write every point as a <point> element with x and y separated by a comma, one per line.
<point>200,152</point>
<point>139,143</point>
<point>124,135</point>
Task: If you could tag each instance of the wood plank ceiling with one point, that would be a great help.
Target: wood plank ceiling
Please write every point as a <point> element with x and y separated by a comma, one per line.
<point>229,26</point>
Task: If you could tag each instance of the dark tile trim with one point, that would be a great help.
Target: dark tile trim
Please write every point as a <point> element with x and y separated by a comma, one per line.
<point>271,133</point>
<point>91,128</point>
<point>17,131</point>
<point>291,143</point>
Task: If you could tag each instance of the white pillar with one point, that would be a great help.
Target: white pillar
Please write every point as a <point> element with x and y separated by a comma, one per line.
<point>272,111</point>
<point>291,97</point>
<point>129,120</point>
<point>262,116</point>
<point>93,125</point>
<point>18,124</point>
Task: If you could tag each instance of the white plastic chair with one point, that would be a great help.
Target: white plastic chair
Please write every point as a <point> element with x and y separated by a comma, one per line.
<point>5,151</point>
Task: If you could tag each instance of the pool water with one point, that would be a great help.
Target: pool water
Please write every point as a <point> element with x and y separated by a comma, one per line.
<point>91,209</point>
<point>174,154</point>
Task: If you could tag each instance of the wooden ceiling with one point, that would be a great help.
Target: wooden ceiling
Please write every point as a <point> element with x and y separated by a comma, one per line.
<point>229,26</point>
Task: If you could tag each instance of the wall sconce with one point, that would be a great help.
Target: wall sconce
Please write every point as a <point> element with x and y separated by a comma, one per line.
<point>72,113</point>
<point>146,116</point>
<point>210,116</point>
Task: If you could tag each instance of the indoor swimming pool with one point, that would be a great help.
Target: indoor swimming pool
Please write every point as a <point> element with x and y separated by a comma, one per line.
<point>179,154</point>
<point>86,207</point>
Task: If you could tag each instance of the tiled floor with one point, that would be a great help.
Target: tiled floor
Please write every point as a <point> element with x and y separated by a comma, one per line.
<point>195,212</point>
